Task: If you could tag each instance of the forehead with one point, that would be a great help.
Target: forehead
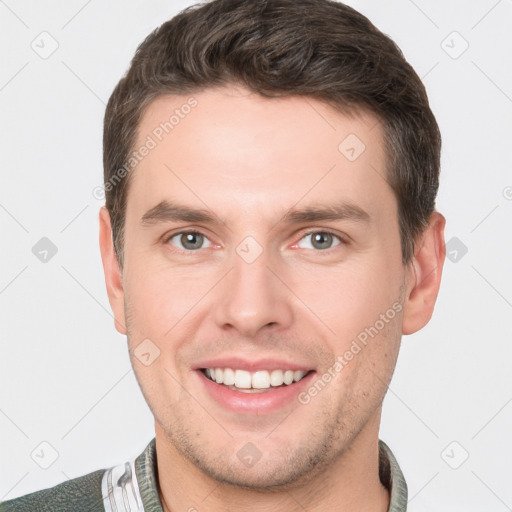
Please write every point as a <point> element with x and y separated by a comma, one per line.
<point>231,149</point>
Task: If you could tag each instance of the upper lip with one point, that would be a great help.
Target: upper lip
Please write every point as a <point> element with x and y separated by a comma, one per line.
<point>239,363</point>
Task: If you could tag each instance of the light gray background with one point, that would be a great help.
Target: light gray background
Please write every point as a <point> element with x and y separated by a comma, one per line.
<point>65,375</point>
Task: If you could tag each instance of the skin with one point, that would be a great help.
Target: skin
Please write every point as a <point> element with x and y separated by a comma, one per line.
<point>249,160</point>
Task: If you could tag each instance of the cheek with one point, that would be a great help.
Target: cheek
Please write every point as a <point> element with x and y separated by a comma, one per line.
<point>164,305</point>
<point>365,363</point>
<point>351,297</point>
<point>160,296</point>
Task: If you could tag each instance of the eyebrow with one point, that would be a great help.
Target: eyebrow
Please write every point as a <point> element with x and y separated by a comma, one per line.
<point>337,211</point>
<point>168,211</point>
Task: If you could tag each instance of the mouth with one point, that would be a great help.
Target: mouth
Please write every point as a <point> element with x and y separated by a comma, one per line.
<point>254,392</point>
<point>260,381</point>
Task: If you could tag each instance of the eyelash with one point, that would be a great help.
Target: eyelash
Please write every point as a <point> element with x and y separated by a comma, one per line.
<point>343,241</point>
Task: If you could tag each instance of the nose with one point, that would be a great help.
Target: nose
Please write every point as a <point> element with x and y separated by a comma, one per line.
<point>253,297</point>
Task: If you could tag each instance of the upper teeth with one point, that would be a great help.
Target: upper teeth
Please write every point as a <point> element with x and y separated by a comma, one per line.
<point>259,380</point>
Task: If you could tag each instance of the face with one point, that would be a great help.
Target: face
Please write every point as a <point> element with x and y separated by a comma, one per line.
<point>261,235</point>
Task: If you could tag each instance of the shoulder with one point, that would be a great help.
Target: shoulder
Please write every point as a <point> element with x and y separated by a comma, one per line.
<point>128,487</point>
<point>82,493</point>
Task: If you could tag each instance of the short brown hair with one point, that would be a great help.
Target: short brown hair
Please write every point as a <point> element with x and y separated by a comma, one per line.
<point>317,48</point>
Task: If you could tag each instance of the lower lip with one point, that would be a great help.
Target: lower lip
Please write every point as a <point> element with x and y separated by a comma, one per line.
<point>264,402</point>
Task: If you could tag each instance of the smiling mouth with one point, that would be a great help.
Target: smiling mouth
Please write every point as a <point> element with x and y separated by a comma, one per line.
<point>261,381</point>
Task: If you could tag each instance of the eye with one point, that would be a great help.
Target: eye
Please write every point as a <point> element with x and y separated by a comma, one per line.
<point>189,241</point>
<point>321,240</point>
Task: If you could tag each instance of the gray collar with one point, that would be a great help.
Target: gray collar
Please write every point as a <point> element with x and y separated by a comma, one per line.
<point>392,478</point>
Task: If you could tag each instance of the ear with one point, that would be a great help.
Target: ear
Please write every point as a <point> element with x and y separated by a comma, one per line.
<point>113,277</point>
<point>424,275</point>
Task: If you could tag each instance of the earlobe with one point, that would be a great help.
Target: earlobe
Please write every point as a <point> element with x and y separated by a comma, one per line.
<point>424,276</point>
<point>113,278</point>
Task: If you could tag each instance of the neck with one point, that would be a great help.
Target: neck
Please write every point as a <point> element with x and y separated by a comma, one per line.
<point>350,482</point>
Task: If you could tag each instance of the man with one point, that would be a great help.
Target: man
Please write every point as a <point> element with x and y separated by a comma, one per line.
<point>269,234</point>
